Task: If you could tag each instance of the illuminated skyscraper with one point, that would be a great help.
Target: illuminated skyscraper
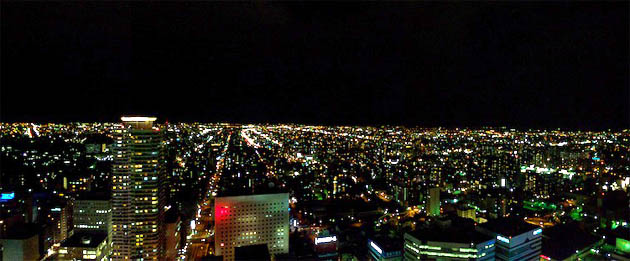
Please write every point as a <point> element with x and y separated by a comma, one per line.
<point>137,194</point>
<point>433,202</point>
<point>251,220</point>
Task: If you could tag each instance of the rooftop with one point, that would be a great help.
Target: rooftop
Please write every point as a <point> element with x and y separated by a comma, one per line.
<point>455,232</point>
<point>511,226</point>
<point>562,240</point>
<point>388,244</point>
<point>84,239</point>
<point>137,118</point>
<point>105,196</point>
<point>254,252</point>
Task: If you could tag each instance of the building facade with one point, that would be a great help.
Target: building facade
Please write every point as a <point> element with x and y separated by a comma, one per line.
<point>84,246</point>
<point>384,250</point>
<point>20,248</point>
<point>433,202</point>
<point>515,239</point>
<point>418,248</point>
<point>251,220</point>
<point>137,194</point>
<point>93,215</point>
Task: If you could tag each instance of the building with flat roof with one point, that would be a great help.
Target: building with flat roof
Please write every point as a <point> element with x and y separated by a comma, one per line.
<point>515,238</point>
<point>448,243</point>
<point>568,242</point>
<point>325,245</point>
<point>251,220</point>
<point>85,246</point>
<point>385,249</point>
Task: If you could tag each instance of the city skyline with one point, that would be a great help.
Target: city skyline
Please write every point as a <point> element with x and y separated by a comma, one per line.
<point>324,131</point>
<point>194,191</point>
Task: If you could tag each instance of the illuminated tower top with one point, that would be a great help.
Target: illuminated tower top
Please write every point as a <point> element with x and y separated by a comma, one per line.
<point>138,122</point>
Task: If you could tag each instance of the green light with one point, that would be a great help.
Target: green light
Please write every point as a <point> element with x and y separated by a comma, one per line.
<point>412,248</point>
<point>614,225</point>
<point>448,254</point>
<point>430,247</point>
<point>623,245</point>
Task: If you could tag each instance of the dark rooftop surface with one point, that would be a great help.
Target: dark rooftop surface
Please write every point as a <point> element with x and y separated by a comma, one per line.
<point>253,252</point>
<point>97,139</point>
<point>450,234</point>
<point>562,240</point>
<point>94,196</point>
<point>171,215</point>
<point>77,240</point>
<point>511,226</point>
<point>388,244</point>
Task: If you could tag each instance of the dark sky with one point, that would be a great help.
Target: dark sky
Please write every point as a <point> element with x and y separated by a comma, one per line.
<point>540,65</point>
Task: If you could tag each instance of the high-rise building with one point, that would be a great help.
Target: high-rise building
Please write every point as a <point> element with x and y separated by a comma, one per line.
<point>137,194</point>
<point>251,220</point>
<point>515,239</point>
<point>433,202</point>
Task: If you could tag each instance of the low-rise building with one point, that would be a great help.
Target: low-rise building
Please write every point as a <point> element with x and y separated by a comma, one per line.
<point>84,246</point>
<point>448,243</point>
<point>385,249</point>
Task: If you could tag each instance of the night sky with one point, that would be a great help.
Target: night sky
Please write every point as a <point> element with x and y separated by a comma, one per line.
<point>524,65</point>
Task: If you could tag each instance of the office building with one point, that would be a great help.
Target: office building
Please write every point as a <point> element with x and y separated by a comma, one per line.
<point>76,185</point>
<point>385,249</point>
<point>433,202</point>
<point>467,212</point>
<point>137,194</point>
<point>93,213</point>
<point>84,246</point>
<point>325,246</point>
<point>58,219</point>
<point>515,239</point>
<point>251,220</point>
<point>448,244</point>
